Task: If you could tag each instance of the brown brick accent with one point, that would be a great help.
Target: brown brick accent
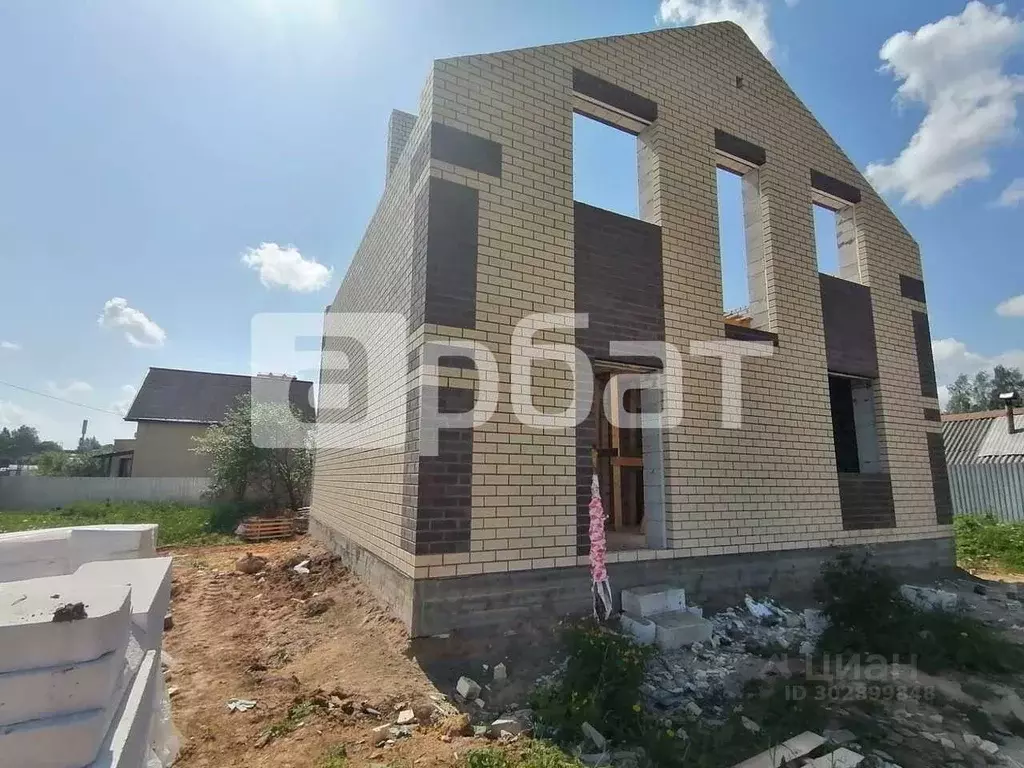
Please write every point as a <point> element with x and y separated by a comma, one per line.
<point>849,327</point>
<point>618,280</point>
<point>465,149</point>
<point>834,187</point>
<point>614,95</point>
<point>866,501</point>
<point>940,479</point>
<point>743,333</point>
<point>741,148</point>
<point>912,288</point>
<point>443,518</point>
<point>451,251</point>
<point>925,361</point>
<point>932,414</point>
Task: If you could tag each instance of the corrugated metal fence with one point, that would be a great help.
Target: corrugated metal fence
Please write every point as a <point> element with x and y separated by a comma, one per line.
<point>988,488</point>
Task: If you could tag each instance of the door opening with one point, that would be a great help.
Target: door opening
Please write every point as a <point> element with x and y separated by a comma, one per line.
<point>619,458</point>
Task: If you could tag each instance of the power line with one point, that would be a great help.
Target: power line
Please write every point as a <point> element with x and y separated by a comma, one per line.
<point>59,399</point>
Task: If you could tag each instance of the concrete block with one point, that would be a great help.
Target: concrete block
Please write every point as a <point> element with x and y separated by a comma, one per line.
<point>929,599</point>
<point>35,554</point>
<point>127,740</point>
<point>60,690</point>
<point>76,740</point>
<point>644,602</point>
<point>642,630</point>
<point>29,638</point>
<point>675,629</point>
<point>112,542</point>
<point>150,583</point>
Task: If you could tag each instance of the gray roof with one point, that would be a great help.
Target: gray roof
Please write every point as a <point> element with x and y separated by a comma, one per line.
<point>983,438</point>
<point>197,397</point>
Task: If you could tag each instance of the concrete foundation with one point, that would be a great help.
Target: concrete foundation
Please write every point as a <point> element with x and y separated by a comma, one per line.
<point>440,605</point>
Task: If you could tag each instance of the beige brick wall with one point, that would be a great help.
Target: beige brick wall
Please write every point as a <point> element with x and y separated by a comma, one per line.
<point>363,493</point>
<point>771,485</point>
<point>165,450</point>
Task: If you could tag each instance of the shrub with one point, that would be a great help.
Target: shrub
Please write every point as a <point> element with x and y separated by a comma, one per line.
<point>868,615</point>
<point>600,686</point>
<point>984,540</point>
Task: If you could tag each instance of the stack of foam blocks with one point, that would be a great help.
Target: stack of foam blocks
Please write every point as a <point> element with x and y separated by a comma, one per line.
<point>80,645</point>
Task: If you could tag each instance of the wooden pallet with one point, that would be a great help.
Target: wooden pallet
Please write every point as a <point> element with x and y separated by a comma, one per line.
<point>264,528</point>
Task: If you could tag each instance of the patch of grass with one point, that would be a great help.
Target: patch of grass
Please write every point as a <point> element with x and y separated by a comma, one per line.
<point>600,686</point>
<point>534,754</point>
<point>297,713</point>
<point>984,540</point>
<point>868,615</point>
<point>334,757</point>
<point>180,524</point>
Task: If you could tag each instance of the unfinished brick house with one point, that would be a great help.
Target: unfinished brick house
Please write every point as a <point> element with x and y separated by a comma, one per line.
<point>840,443</point>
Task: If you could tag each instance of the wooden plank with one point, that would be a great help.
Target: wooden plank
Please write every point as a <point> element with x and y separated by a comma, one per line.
<point>628,461</point>
<point>790,749</point>
<point>841,758</point>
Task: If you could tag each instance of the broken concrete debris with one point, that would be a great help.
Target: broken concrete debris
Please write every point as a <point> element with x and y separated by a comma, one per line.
<point>405,717</point>
<point>467,688</point>
<point>929,599</point>
<point>594,736</point>
<point>500,673</point>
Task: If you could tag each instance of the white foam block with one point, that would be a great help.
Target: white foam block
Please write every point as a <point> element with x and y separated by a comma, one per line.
<point>73,740</point>
<point>127,740</point>
<point>35,554</point>
<point>29,638</point>
<point>150,582</point>
<point>61,690</point>
<point>112,542</point>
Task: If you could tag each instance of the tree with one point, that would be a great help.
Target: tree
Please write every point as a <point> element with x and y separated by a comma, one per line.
<point>279,462</point>
<point>22,444</point>
<point>89,444</point>
<point>981,393</point>
<point>65,464</point>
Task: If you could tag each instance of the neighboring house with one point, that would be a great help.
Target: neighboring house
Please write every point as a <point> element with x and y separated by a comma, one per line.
<point>118,460</point>
<point>173,407</point>
<point>986,462</point>
<point>840,441</point>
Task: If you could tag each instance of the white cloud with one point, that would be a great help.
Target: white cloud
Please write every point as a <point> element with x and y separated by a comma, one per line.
<point>952,357</point>
<point>124,402</point>
<point>10,346</point>
<point>286,268</point>
<point>955,68</point>
<point>138,329</point>
<point>1013,307</point>
<point>751,15</point>
<point>1013,195</point>
<point>72,389</point>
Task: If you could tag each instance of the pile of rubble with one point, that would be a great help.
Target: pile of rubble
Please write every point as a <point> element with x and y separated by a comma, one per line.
<point>705,662</point>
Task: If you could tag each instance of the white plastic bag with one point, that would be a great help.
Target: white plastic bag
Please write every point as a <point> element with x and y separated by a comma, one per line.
<point>164,739</point>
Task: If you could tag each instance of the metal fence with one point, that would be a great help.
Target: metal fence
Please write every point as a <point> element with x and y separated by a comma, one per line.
<point>34,492</point>
<point>988,488</point>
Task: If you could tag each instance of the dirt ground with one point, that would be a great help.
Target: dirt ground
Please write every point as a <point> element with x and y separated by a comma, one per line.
<point>253,637</point>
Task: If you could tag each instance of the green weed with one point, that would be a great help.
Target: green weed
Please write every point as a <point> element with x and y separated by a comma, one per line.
<point>868,615</point>
<point>180,524</point>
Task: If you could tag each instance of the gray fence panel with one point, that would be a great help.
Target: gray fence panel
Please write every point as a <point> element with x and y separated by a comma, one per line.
<point>988,488</point>
<point>34,492</point>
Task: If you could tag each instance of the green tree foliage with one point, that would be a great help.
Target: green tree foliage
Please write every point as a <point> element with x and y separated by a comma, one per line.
<point>89,444</point>
<point>981,393</point>
<point>20,444</point>
<point>64,464</point>
<point>278,464</point>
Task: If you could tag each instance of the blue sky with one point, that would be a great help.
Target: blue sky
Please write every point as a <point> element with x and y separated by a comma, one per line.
<point>147,150</point>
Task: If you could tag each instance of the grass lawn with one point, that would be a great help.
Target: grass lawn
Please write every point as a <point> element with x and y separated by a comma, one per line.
<point>180,524</point>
